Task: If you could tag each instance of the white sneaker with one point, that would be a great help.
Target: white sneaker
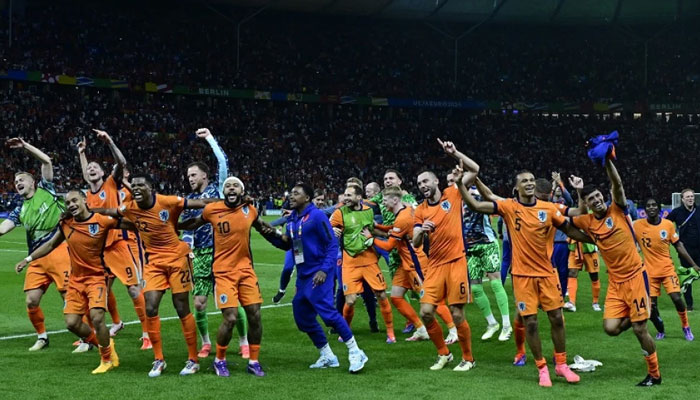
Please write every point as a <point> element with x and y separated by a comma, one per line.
<point>158,368</point>
<point>505,333</point>
<point>115,328</point>
<point>490,331</point>
<point>40,343</point>
<point>83,347</point>
<point>441,362</point>
<point>451,338</point>
<point>326,362</point>
<point>191,367</point>
<point>357,359</point>
<point>569,306</point>
<point>420,334</point>
<point>464,366</point>
<point>596,307</point>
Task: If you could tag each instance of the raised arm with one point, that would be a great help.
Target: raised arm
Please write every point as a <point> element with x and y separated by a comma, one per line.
<point>83,159</point>
<point>116,153</point>
<point>683,253</point>
<point>577,183</point>
<point>484,207</point>
<point>470,167</point>
<point>42,250</point>
<point>485,192</point>
<point>618,192</point>
<point>221,159</point>
<point>111,212</point>
<point>46,165</point>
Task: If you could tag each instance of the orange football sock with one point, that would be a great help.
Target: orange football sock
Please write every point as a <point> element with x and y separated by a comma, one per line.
<point>189,329</point>
<point>464,333</point>
<point>595,290</point>
<point>221,351</point>
<point>435,333</point>
<point>572,286</point>
<point>560,358</point>
<point>106,353</point>
<point>153,329</point>
<point>407,311</point>
<point>541,363</point>
<point>684,318</point>
<point>92,339</point>
<point>36,316</point>
<point>254,352</point>
<point>445,315</point>
<point>348,313</point>
<point>388,316</point>
<point>112,307</point>
<point>140,308</point>
<point>519,329</point>
<point>653,365</point>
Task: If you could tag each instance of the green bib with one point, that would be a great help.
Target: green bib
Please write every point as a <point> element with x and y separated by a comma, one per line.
<point>353,224</point>
<point>40,215</point>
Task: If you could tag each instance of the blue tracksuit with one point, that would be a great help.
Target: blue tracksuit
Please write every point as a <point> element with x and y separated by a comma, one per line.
<point>506,256</point>
<point>320,247</point>
<point>560,253</point>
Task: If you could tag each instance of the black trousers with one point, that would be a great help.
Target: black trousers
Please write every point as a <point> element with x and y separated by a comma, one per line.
<point>695,255</point>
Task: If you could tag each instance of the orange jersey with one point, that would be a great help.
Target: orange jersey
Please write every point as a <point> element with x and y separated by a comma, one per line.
<point>400,238</point>
<point>446,241</point>
<point>654,241</point>
<point>531,229</point>
<point>86,242</point>
<point>231,228</point>
<point>366,257</point>
<point>108,196</point>
<point>156,227</point>
<point>613,236</point>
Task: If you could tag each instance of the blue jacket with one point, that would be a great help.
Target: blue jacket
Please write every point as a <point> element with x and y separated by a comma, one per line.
<point>320,245</point>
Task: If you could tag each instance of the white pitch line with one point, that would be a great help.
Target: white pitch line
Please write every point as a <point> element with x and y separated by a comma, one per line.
<point>24,335</point>
<point>13,242</point>
<point>14,251</point>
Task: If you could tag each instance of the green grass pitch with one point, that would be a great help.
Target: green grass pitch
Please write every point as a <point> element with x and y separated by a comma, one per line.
<point>393,371</point>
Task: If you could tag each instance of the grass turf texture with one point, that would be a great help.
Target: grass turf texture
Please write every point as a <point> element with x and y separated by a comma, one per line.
<point>399,370</point>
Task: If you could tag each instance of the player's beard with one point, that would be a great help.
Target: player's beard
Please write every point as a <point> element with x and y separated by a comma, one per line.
<point>236,203</point>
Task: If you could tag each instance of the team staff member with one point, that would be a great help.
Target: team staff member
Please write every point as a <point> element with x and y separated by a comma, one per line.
<point>687,221</point>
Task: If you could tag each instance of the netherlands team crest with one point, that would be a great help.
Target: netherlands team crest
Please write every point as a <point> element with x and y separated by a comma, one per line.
<point>609,222</point>
<point>542,215</point>
<point>164,215</point>
<point>445,205</point>
<point>664,234</point>
<point>521,306</point>
<point>223,299</point>
<point>103,195</point>
<point>94,229</point>
<point>245,210</point>
<point>122,196</point>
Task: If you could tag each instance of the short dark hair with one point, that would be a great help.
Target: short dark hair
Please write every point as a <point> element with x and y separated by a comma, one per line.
<point>202,166</point>
<point>319,192</point>
<point>650,199</point>
<point>543,186</point>
<point>423,171</point>
<point>357,189</point>
<point>398,174</point>
<point>147,177</point>
<point>588,189</point>
<point>79,191</point>
<point>522,171</point>
<point>308,190</point>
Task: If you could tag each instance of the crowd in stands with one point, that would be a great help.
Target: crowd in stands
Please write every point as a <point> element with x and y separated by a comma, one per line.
<point>191,44</point>
<point>271,145</point>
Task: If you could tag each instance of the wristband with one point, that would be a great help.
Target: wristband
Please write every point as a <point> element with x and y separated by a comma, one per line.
<point>28,259</point>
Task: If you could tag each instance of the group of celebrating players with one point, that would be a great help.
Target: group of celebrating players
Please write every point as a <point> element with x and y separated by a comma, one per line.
<point>441,249</point>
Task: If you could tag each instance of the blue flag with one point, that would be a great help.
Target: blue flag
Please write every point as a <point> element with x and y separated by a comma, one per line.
<point>600,147</point>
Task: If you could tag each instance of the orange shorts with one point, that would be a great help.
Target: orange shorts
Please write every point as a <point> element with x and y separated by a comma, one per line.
<point>54,267</point>
<point>85,293</point>
<point>240,287</point>
<point>177,276</point>
<point>628,299</point>
<point>671,285</point>
<point>121,263</point>
<point>446,282</point>
<point>530,292</point>
<point>353,277</point>
<point>407,279</point>
<point>589,261</point>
